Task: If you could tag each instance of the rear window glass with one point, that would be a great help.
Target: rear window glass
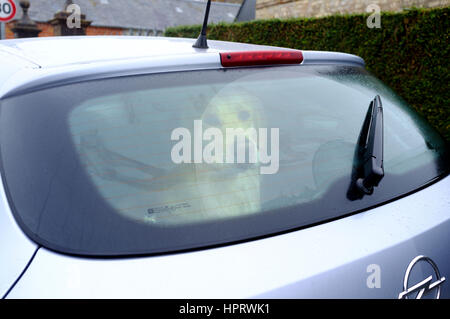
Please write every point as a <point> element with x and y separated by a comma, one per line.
<point>165,162</point>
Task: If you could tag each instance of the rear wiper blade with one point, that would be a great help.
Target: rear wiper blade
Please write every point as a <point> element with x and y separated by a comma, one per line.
<point>370,149</point>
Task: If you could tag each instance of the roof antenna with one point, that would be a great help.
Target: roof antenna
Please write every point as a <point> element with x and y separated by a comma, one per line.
<point>202,42</point>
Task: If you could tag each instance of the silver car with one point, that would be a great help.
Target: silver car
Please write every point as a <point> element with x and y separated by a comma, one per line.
<point>146,168</point>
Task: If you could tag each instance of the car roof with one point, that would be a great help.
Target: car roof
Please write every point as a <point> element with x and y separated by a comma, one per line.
<point>42,61</point>
<point>61,51</point>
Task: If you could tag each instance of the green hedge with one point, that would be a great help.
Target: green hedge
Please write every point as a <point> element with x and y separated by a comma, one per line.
<point>409,53</point>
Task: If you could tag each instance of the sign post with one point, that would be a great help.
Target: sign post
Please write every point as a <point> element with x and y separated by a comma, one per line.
<point>8,11</point>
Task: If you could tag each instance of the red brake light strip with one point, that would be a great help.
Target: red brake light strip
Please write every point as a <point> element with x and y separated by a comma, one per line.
<point>249,58</point>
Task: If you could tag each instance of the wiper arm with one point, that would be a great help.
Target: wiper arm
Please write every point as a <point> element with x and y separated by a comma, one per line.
<point>370,149</point>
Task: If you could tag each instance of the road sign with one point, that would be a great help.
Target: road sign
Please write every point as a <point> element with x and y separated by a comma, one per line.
<point>7,10</point>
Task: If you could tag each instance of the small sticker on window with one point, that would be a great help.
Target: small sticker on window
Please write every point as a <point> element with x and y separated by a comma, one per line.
<point>167,208</point>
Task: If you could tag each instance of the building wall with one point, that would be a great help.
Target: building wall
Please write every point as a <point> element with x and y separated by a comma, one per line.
<point>8,33</point>
<point>317,8</point>
<point>47,30</point>
<point>103,31</point>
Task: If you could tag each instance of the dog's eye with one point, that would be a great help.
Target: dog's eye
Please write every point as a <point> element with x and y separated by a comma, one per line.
<point>244,115</point>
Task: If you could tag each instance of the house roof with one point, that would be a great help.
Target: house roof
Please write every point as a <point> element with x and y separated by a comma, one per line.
<point>137,14</point>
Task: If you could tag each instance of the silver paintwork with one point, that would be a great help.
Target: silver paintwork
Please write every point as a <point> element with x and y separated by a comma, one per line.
<point>32,80</point>
<point>71,59</point>
<point>324,57</point>
<point>325,261</point>
<point>11,64</point>
<point>15,247</point>
<point>63,51</point>
<point>329,260</point>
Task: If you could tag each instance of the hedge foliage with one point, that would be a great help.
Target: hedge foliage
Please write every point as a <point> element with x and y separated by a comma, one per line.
<point>410,52</point>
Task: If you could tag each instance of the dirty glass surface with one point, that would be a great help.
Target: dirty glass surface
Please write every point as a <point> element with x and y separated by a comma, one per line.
<point>148,163</point>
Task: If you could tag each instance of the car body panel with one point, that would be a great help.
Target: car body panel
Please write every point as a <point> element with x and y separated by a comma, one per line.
<point>16,249</point>
<point>64,60</point>
<point>64,51</point>
<point>325,261</point>
<point>11,65</point>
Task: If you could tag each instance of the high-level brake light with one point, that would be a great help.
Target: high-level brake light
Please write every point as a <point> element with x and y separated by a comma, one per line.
<point>249,58</point>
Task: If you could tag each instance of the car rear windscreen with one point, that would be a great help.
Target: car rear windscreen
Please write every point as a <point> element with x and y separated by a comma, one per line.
<point>167,162</point>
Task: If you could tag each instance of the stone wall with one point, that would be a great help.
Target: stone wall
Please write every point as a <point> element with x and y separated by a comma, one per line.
<point>317,8</point>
